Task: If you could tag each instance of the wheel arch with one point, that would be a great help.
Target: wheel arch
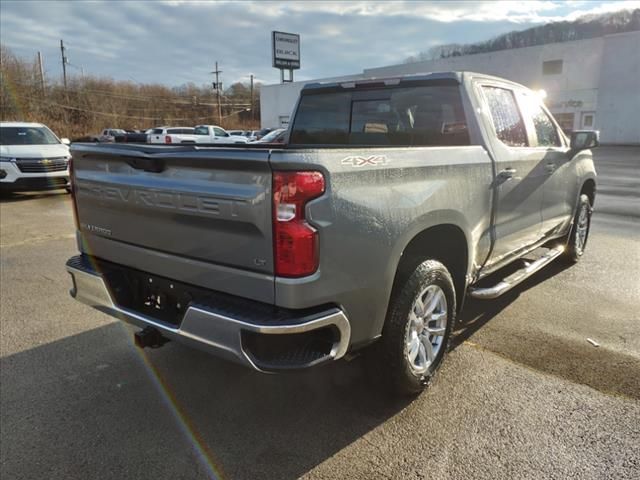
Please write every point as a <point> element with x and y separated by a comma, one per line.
<point>588,188</point>
<point>445,242</point>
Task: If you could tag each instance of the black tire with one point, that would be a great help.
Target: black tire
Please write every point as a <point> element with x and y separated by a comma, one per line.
<point>390,364</point>
<point>575,247</point>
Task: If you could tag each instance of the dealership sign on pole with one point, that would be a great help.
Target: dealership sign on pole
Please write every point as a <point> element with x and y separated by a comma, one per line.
<point>286,53</point>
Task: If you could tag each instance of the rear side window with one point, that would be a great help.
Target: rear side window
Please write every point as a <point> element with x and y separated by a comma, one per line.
<point>410,116</point>
<point>506,116</point>
<point>322,119</point>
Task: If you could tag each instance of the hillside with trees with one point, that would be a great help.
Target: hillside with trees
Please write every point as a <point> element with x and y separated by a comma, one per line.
<point>88,104</point>
<point>589,26</point>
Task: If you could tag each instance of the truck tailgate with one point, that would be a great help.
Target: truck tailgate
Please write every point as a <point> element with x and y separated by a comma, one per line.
<point>207,209</point>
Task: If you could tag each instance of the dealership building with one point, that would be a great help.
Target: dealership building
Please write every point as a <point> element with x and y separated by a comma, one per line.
<point>590,84</point>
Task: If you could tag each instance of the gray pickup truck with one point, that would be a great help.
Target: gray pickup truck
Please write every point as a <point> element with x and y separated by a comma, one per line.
<point>391,200</point>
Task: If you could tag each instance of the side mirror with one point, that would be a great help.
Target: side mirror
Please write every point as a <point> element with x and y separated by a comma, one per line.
<point>66,141</point>
<point>584,139</point>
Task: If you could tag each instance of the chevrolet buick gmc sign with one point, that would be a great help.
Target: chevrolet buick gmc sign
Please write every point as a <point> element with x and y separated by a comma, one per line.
<point>286,50</point>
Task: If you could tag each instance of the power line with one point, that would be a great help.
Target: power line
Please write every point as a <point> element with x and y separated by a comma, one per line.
<point>165,119</point>
<point>229,100</point>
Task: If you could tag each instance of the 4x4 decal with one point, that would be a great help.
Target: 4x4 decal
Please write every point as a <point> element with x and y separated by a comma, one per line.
<point>372,160</point>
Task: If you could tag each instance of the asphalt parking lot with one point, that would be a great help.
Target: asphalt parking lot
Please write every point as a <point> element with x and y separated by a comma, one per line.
<point>523,394</point>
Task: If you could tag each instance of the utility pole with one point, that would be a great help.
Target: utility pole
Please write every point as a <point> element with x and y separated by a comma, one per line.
<point>41,72</point>
<point>218,86</point>
<point>64,64</point>
<point>252,109</point>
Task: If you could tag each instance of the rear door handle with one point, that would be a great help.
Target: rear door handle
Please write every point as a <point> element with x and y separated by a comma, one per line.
<point>508,173</point>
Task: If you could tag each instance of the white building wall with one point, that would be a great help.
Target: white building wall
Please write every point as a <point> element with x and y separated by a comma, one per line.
<point>277,101</point>
<point>618,113</point>
<point>573,91</point>
<point>600,79</point>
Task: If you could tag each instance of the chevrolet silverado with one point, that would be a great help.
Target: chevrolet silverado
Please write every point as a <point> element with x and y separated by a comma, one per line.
<point>389,202</point>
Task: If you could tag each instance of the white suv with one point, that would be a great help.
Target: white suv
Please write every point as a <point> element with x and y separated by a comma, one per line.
<point>32,157</point>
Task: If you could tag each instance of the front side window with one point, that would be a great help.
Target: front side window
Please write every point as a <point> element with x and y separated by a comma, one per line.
<point>218,132</point>
<point>27,136</point>
<point>545,129</point>
<point>201,131</point>
<point>408,116</point>
<point>506,117</point>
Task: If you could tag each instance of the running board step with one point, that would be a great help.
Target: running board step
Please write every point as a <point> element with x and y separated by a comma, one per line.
<point>516,277</point>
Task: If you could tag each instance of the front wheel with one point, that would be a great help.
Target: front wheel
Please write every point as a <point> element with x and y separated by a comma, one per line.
<point>417,329</point>
<point>579,234</point>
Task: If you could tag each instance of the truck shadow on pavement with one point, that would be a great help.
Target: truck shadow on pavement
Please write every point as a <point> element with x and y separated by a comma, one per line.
<point>266,426</point>
<point>477,313</point>
<point>94,406</point>
<point>603,369</point>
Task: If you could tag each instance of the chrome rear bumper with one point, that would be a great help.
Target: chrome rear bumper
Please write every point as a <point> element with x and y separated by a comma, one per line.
<point>212,331</point>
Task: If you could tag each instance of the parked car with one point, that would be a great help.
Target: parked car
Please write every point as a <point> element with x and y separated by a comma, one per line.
<point>276,136</point>
<point>261,133</point>
<point>172,135</point>
<point>215,134</point>
<point>135,136</point>
<point>249,134</point>
<point>252,135</point>
<point>391,202</point>
<point>110,135</point>
<point>32,157</point>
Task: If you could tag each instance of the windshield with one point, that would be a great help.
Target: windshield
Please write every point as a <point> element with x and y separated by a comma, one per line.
<point>27,136</point>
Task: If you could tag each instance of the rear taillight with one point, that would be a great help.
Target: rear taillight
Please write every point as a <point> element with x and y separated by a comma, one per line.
<point>167,139</point>
<point>73,191</point>
<point>295,242</point>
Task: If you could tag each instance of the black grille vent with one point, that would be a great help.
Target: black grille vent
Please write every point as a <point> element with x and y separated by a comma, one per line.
<point>42,165</point>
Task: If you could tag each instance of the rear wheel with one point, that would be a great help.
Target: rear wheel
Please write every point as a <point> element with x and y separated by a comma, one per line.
<point>417,329</point>
<point>579,234</point>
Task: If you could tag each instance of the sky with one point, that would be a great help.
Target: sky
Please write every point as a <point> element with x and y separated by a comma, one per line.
<point>175,42</point>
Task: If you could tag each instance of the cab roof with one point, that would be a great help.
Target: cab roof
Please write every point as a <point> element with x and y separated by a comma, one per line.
<point>452,77</point>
